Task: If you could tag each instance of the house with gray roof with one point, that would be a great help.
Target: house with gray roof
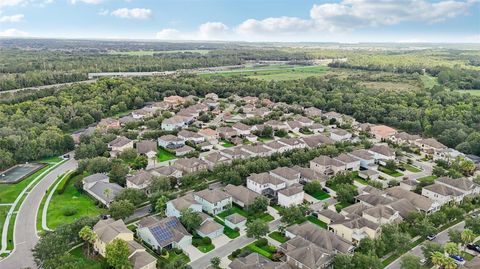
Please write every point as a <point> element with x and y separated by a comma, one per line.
<point>141,179</point>
<point>287,174</point>
<point>254,261</point>
<point>215,158</point>
<point>351,163</point>
<point>307,175</point>
<point>326,165</point>
<point>166,171</point>
<point>367,159</point>
<point>235,221</point>
<point>241,195</point>
<point>265,184</point>
<point>213,201</point>
<point>301,253</point>
<point>209,227</point>
<point>99,187</point>
<point>119,144</point>
<point>175,207</point>
<point>170,142</point>
<point>166,233</point>
<point>147,148</point>
<point>314,141</point>
<point>190,165</point>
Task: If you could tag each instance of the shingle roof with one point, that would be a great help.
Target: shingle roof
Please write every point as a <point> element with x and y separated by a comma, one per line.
<point>265,178</point>
<point>95,177</point>
<point>443,190</point>
<point>209,227</point>
<point>286,172</point>
<point>417,200</point>
<point>100,187</point>
<point>292,190</point>
<point>362,154</point>
<point>213,196</point>
<point>119,142</point>
<point>326,161</point>
<point>108,229</point>
<point>183,202</point>
<point>146,146</point>
<point>460,183</point>
<point>140,177</point>
<point>165,231</point>
<point>383,149</point>
<point>236,218</point>
<point>241,193</point>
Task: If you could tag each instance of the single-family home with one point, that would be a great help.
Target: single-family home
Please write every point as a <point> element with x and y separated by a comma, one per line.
<point>431,146</point>
<point>213,201</point>
<point>174,100</point>
<point>215,158</point>
<point>241,129</point>
<point>190,165</point>
<point>367,159</point>
<point>166,171</point>
<point>210,135</point>
<point>191,136</point>
<point>108,123</point>
<point>147,148</point>
<point>351,163</point>
<point>442,194</point>
<point>382,153</point>
<point>293,143</point>
<point>170,142</point>
<point>308,175</point>
<point>236,221</point>
<point>355,229</point>
<point>369,174</point>
<point>287,174</point>
<point>338,134</point>
<point>209,227</point>
<point>304,121</point>
<point>326,165</point>
<point>167,233</point>
<point>257,150</point>
<point>119,144</point>
<point>175,207</point>
<point>99,187</point>
<point>314,141</point>
<point>241,195</point>
<point>176,122</point>
<point>404,138</point>
<point>265,184</point>
<point>381,214</point>
<point>420,202</point>
<point>139,180</point>
<point>212,96</point>
<point>464,185</point>
<point>291,195</point>
<point>276,147</point>
<point>226,132</point>
<point>234,153</point>
<point>253,260</point>
<point>380,132</point>
<point>294,125</point>
<point>184,150</point>
<point>313,112</point>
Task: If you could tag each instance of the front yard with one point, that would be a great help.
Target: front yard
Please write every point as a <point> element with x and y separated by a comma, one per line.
<point>316,221</point>
<point>204,244</point>
<point>265,250</point>
<point>278,237</point>
<point>165,155</point>
<point>389,172</point>
<point>226,143</point>
<point>231,233</point>
<point>237,209</point>
<point>410,168</point>
<point>319,195</point>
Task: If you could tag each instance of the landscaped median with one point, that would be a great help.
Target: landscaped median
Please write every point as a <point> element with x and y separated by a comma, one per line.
<point>15,194</point>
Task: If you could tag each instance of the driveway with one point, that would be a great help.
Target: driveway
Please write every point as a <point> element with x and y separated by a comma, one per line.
<point>25,230</point>
<point>139,213</point>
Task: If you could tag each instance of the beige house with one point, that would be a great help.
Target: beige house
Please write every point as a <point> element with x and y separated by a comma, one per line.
<point>119,144</point>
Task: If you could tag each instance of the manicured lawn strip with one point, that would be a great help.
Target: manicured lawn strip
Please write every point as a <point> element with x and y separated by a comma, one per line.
<point>226,144</point>
<point>264,139</point>
<point>3,216</point>
<point>389,172</point>
<point>10,192</point>
<point>42,204</point>
<point>278,237</point>
<point>319,195</point>
<point>206,248</point>
<point>316,221</point>
<point>266,251</point>
<point>361,181</point>
<point>231,233</point>
<point>263,216</point>
<point>165,155</point>
<point>427,179</point>
<point>11,226</point>
<point>340,206</point>
<point>71,198</point>
<point>410,168</point>
<point>172,258</point>
<point>232,210</point>
<point>87,262</point>
<point>467,256</point>
<point>334,186</point>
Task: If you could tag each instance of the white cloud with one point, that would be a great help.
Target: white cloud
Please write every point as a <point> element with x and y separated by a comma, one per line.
<point>12,33</point>
<point>212,30</point>
<point>12,18</point>
<point>134,13</point>
<point>274,25</point>
<point>5,3</point>
<point>93,2</point>
<point>168,34</point>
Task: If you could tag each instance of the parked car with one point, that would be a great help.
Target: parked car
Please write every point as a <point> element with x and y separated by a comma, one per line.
<point>325,190</point>
<point>431,237</point>
<point>423,261</point>
<point>458,259</point>
<point>474,247</point>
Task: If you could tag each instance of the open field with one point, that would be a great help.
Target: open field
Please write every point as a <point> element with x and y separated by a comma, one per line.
<point>276,72</point>
<point>152,52</point>
<point>70,206</point>
<point>472,92</point>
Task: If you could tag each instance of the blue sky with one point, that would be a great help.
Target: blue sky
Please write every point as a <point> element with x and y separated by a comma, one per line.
<point>246,20</point>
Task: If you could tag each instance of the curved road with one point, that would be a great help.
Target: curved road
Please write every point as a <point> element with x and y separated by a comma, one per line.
<point>25,231</point>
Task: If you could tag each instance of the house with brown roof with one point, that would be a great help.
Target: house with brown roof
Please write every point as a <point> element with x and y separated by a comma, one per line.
<point>210,135</point>
<point>257,150</point>
<point>176,122</point>
<point>190,165</point>
<point>293,143</point>
<point>209,227</point>
<point>404,138</point>
<point>234,153</point>
<point>174,100</point>
<point>108,123</point>
<point>147,148</point>
<point>119,144</point>
<point>170,141</point>
<point>313,112</point>
<point>382,131</point>
<point>226,132</point>
<point>355,228</point>
<point>367,159</point>
<point>191,136</point>
<point>442,194</point>
<point>351,163</point>
<point>166,171</point>
<point>215,158</point>
<point>276,147</point>
<point>308,175</point>
<point>254,261</point>
<point>241,195</point>
<point>338,134</point>
<point>184,150</point>
<point>241,129</point>
<point>314,141</point>
<point>301,253</point>
<point>420,202</point>
<point>326,165</point>
<point>213,201</point>
<point>141,179</point>
<point>382,153</point>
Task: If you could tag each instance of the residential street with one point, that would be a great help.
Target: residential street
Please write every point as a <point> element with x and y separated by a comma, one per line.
<point>25,233</point>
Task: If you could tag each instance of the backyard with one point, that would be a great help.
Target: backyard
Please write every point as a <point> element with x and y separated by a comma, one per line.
<point>70,205</point>
<point>389,172</point>
<point>278,236</point>
<point>87,262</point>
<point>262,249</point>
<point>226,144</point>
<point>231,233</point>
<point>237,209</point>
<point>319,195</point>
<point>316,221</point>
<point>164,155</point>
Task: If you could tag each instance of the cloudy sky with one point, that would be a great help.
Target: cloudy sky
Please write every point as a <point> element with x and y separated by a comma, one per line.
<point>246,20</point>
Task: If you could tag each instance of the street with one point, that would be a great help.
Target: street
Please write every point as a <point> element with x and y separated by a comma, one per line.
<point>25,231</point>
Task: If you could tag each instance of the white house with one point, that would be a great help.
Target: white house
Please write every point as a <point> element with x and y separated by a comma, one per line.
<point>175,122</point>
<point>167,233</point>
<point>265,184</point>
<point>367,159</point>
<point>442,194</point>
<point>235,221</point>
<point>382,153</point>
<point>176,206</point>
<point>351,163</point>
<point>170,142</point>
<point>191,136</point>
<point>213,201</point>
<point>340,135</point>
<point>292,195</point>
<point>287,174</point>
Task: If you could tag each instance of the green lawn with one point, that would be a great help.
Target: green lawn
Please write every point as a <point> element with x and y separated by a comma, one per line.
<point>334,186</point>
<point>471,92</point>
<point>276,72</point>
<point>231,233</point>
<point>264,139</point>
<point>389,172</point>
<point>165,155</point>
<point>427,179</point>
<point>266,251</point>
<point>428,81</point>
<point>9,192</point>
<point>237,209</point>
<point>316,221</point>
<point>83,204</point>
<point>172,257</point>
<point>361,181</point>
<point>86,262</point>
<point>151,52</point>
<point>319,195</point>
<point>3,215</point>
<point>410,168</point>
<point>278,237</point>
<point>340,206</point>
<point>206,248</point>
<point>226,144</point>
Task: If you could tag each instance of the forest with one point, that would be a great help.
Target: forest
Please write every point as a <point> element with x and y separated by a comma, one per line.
<point>39,125</point>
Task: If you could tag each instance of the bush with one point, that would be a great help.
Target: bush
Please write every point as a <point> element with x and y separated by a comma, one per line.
<point>164,251</point>
<point>206,240</point>
<point>236,252</point>
<point>262,242</point>
<point>69,211</point>
<point>178,251</point>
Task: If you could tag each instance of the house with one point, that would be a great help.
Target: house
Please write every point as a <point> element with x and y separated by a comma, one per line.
<point>404,138</point>
<point>236,221</point>
<point>166,171</point>
<point>234,153</point>
<point>367,159</point>
<point>265,184</point>
<point>139,180</point>
<point>212,96</point>
<point>355,229</point>
<point>329,216</point>
<point>304,121</point>
<point>250,100</point>
<point>288,175</point>
<point>147,148</point>
<point>257,150</point>
<point>317,128</point>
<point>308,175</point>
<point>430,146</point>
<point>340,135</point>
<point>228,118</point>
<point>293,143</point>
<point>190,165</point>
<point>420,202</point>
<point>174,100</point>
<point>182,151</point>
<point>191,136</point>
<point>175,207</point>
<point>276,125</point>
<point>464,185</point>
<point>258,112</point>
<point>338,118</point>
<point>213,201</point>
<point>119,144</point>
<point>241,129</point>
<point>276,147</point>
<point>313,112</point>
<point>314,141</point>
<point>442,194</point>
<point>326,165</point>
<point>99,187</point>
<point>373,199</point>
<point>226,132</point>
<point>108,230</point>
<point>382,153</point>
<point>369,174</point>
<point>215,158</point>
<point>351,163</point>
<point>253,261</point>
<point>381,214</point>
<point>209,227</point>
<point>175,122</point>
<point>380,132</point>
<point>291,195</point>
<point>170,142</point>
<point>210,135</point>
<point>167,233</point>
<point>409,184</point>
<point>294,125</point>
<point>241,195</point>
<point>301,253</point>
<point>108,123</point>
<point>142,113</point>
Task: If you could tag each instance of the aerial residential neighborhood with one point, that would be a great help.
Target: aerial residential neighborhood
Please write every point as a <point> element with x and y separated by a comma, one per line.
<point>215,134</point>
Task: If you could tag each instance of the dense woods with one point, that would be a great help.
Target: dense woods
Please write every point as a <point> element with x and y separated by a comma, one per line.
<point>40,127</point>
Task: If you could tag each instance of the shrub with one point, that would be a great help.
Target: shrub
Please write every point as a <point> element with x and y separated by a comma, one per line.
<point>262,242</point>
<point>206,240</point>
<point>69,211</point>
<point>164,251</point>
<point>236,252</point>
<point>178,251</point>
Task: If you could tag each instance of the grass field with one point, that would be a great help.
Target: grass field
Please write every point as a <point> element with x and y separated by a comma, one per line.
<point>71,200</point>
<point>389,172</point>
<point>84,261</point>
<point>427,179</point>
<point>316,221</point>
<point>428,81</point>
<point>3,216</point>
<point>319,195</point>
<point>471,92</point>
<point>278,237</point>
<point>277,72</point>
<point>164,155</point>
<point>226,144</point>
<point>151,52</point>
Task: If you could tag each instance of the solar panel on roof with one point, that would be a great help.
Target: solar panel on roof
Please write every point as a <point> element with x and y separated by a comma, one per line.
<point>161,233</point>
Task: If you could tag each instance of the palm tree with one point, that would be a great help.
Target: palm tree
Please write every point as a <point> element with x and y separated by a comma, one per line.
<point>438,258</point>
<point>467,237</point>
<point>89,236</point>
<point>449,263</point>
<point>451,248</point>
<point>107,193</point>
<point>161,205</point>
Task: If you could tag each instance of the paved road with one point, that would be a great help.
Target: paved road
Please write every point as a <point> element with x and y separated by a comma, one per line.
<point>48,86</point>
<point>140,213</point>
<point>442,238</point>
<point>25,231</point>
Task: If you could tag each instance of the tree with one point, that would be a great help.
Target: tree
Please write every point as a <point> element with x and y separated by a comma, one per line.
<point>473,224</point>
<point>455,236</point>
<point>215,262</point>
<point>342,261</point>
<point>116,254</point>
<point>346,193</point>
<point>391,165</point>
<point>429,248</point>
<point>118,173</point>
<point>259,205</point>
<point>449,263</point>
<point>410,261</point>
<point>438,258</point>
<point>50,246</point>
<point>257,228</point>
<point>190,219</point>
<point>89,236</point>
<point>292,214</point>
<point>65,261</point>
<point>161,205</point>
<point>121,209</point>
<point>467,236</point>
<point>135,196</point>
<point>451,248</point>
<point>366,261</point>
<point>313,187</point>
<point>159,184</point>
